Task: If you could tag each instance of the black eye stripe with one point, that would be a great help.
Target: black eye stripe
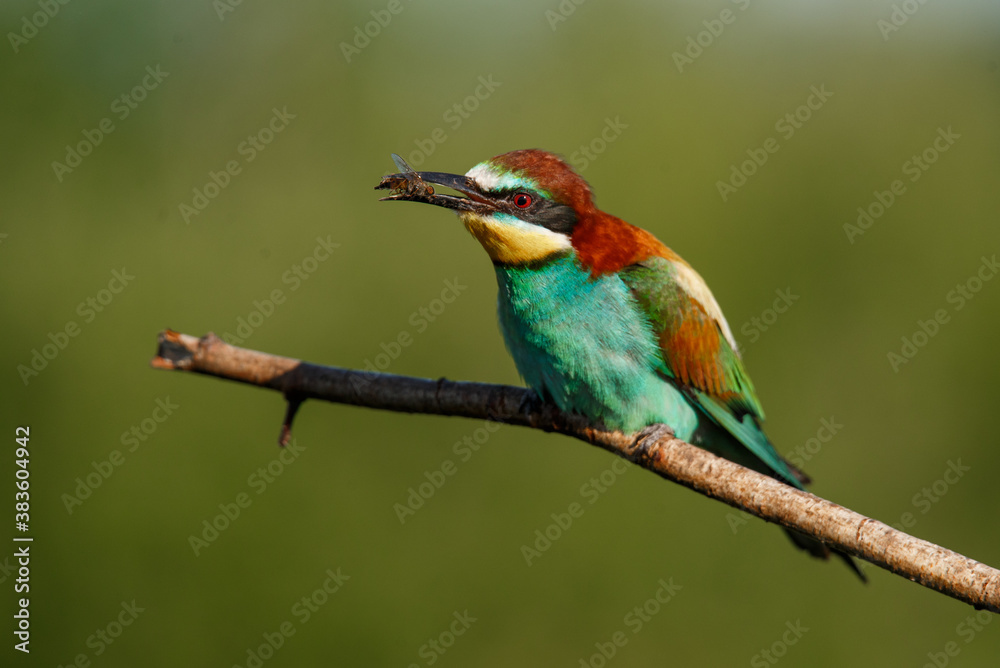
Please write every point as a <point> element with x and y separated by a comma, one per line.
<point>542,211</point>
<point>553,216</point>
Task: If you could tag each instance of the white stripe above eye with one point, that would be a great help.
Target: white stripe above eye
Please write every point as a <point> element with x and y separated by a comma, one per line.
<point>484,176</point>
<point>490,179</point>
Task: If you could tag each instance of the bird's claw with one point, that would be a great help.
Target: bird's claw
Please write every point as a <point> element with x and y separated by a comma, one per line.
<point>531,404</point>
<point>654,433</point>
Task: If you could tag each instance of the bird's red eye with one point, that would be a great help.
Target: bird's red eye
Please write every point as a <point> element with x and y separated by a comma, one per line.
<point>522,200</point>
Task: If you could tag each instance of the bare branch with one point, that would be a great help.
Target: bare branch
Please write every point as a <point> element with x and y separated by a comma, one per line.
<point>654,449</point>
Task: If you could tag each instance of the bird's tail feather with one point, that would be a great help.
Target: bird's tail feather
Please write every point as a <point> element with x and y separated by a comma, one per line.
<point>821,550</point>
<point>726,437</point>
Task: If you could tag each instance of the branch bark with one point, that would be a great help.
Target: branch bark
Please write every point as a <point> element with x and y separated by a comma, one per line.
<point>654,449</point>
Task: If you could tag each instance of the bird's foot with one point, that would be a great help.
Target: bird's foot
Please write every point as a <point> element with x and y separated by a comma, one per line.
<point>646,438</point>
<point>653,433</point>
<point>531,403</point>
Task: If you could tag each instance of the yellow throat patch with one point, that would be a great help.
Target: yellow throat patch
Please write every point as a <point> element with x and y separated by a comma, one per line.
<point>514,242</point>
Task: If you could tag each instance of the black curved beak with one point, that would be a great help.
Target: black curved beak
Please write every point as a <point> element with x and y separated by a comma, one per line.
<point>412,186</point>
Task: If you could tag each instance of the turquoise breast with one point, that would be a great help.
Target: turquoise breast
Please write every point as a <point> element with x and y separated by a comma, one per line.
<point>584,343</point>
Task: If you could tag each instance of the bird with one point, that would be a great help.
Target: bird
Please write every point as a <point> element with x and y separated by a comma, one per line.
<point>602,318</point>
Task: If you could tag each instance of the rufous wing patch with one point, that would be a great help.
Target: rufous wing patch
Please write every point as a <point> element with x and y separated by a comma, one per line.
<point>691,347</point>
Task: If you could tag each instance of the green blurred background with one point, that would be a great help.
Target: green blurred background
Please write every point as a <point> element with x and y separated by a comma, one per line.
<point>557,81</point>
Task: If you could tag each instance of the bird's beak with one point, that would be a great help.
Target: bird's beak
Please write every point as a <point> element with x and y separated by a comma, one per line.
<point>411,186</point>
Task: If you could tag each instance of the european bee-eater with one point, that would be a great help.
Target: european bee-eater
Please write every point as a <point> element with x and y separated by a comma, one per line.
<point>600,316</point>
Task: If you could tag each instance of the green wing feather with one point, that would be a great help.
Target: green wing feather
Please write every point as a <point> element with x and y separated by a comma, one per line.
<point>698,355</point>
<point>700,358</point>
